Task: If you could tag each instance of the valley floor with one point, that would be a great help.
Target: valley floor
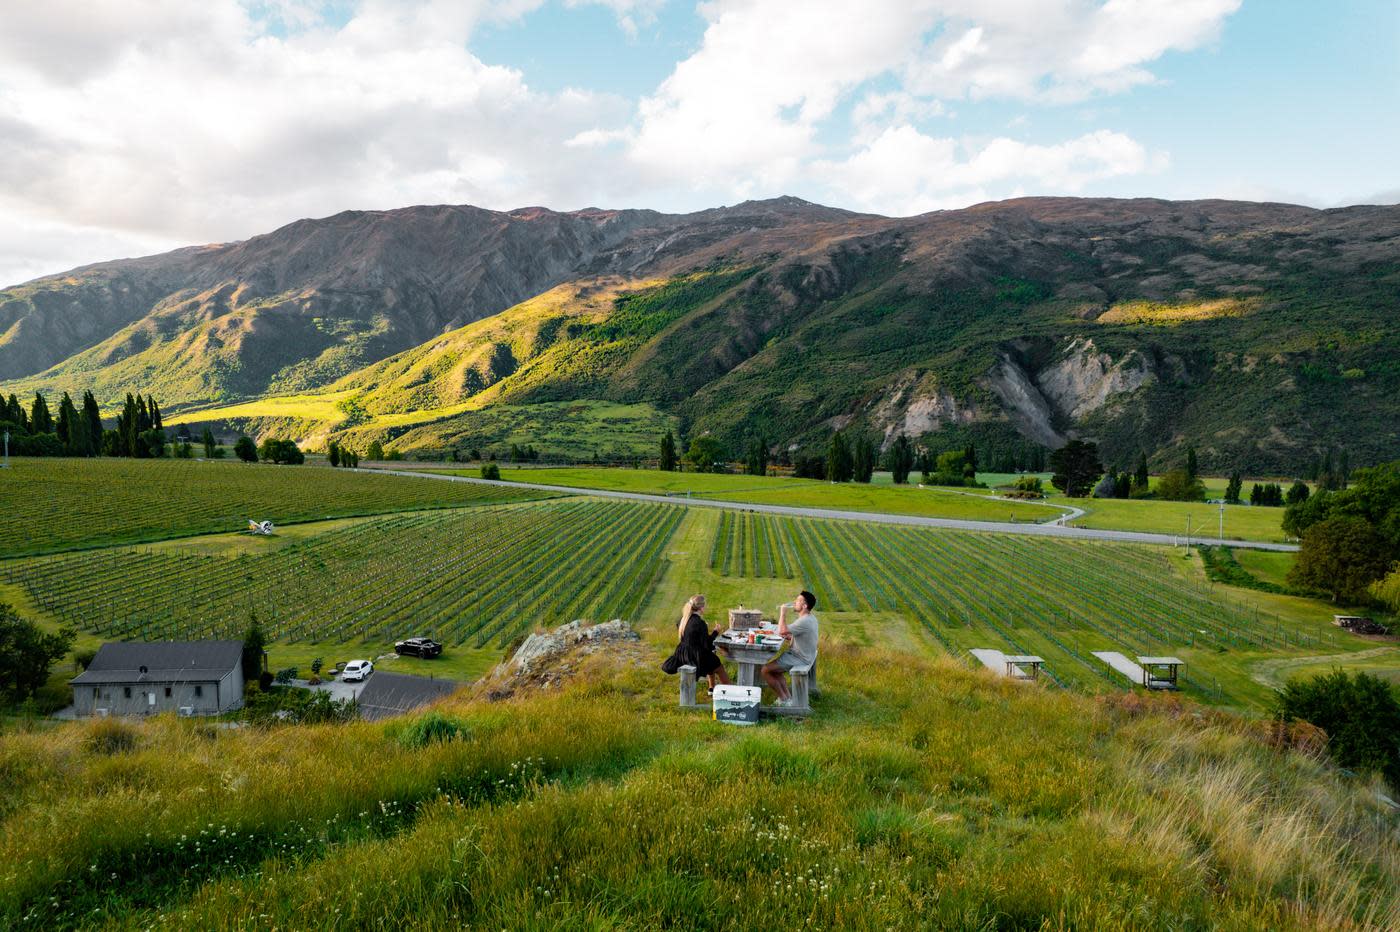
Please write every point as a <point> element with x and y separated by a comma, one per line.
<point>920,792</point>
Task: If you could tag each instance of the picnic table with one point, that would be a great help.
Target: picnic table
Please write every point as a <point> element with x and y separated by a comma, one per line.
<point>749,658</point>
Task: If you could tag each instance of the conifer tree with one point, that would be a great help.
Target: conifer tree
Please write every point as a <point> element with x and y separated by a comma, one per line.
<point>901,459</point>
<point>92,420</point>
<point>668,452</point>
<point>67,425</point>
<point>16,414</point>
<point>40,421</point>
<point>839,466</point>
<point>1140,477</point>
<point>211,446</point>
<point>1192,471</point>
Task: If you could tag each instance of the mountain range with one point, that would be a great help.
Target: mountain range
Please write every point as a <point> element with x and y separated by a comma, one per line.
<point>1259,333</point>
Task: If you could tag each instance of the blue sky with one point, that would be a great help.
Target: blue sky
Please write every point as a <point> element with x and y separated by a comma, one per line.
<point>138,125</point>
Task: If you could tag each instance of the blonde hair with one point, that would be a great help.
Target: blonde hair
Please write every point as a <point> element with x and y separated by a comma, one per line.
<point>692,604</point>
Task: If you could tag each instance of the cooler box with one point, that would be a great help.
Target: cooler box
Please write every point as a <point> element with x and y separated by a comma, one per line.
<point>737,705</point>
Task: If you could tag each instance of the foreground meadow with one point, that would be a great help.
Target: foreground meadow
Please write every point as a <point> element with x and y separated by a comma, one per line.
<point>935,798</point>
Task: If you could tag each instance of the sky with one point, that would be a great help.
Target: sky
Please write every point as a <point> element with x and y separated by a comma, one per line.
<point>129,127</point>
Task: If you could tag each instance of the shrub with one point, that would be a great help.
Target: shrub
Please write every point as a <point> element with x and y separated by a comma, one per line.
<point>1360,714</point>
<point>490,471</point>
<point>110,736</point>
<point>1177,485</point>
<point>1029,484</point>
<point>286,675</point>
<point>432,728</point>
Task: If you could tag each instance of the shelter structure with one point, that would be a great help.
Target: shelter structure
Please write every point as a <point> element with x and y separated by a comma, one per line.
<point>1014,666</point>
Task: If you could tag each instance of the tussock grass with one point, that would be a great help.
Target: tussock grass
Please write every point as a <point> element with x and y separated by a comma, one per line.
<point>920,795</point>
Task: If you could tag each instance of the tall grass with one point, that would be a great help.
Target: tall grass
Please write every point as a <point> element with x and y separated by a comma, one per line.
<point>919,795</point>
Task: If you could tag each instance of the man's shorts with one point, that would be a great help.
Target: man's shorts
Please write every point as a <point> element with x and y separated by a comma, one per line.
<point>787,660</point>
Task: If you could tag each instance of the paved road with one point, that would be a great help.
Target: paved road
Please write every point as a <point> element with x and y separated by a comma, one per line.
<point>995,527</point>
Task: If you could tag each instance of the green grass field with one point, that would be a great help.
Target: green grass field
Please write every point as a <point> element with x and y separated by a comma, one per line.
<point>63,504</point>
<point>1242,522</point>
<point>1266,566</point>
<point>770,490</point>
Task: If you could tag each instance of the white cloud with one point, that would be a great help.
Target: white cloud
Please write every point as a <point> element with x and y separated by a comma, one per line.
<point>201,126</point>
<point>905,172</point>
<point>748,111</point>
<point>156,121</point>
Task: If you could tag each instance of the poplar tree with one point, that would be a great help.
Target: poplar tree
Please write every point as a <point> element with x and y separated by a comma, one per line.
<point>901,459</point>
<point>70,430</point>
<point>92,421</point>
<point>1140,477</point>
<point>40,421</point>
<point>839,466</point>
<point>668,452</point>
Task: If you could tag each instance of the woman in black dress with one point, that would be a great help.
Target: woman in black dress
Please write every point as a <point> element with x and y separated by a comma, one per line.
<point>697,644</point>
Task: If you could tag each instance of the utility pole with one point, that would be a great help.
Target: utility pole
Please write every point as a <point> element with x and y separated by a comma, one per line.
<point>7,450</point>
<point>1222,522</point>
<point>1188,532</point>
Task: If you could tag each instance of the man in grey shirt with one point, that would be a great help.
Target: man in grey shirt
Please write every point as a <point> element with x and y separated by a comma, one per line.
<point>802,643</point>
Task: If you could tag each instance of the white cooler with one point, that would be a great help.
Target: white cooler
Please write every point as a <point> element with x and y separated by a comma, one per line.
<point>737,705</point>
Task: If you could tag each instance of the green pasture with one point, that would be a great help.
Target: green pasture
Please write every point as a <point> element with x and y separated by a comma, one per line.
<point>54,504</point>
<point>773,490</point>
<point>1242,522</point>
<point>1266,566</point>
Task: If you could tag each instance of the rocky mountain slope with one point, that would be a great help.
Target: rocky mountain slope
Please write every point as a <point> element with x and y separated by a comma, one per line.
<point>1258,332</point>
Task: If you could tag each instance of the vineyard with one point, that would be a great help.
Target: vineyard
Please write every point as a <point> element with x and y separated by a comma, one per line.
<point>61,504</point>
<point>1059,599</point>
<point>477,576</point>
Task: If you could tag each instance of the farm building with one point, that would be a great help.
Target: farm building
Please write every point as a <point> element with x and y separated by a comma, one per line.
<point>388,694</point>
<point>189,677</point>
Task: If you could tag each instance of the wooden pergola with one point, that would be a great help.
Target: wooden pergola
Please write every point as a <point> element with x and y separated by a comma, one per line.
<point>1160,672</point>
<point>1023,666</point>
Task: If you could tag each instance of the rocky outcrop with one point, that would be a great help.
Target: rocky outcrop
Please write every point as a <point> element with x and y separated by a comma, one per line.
<point>1083,379</point>
<point>915,406</point>
<point>1046,394</point>
<point>1024,402</point>
<point>547,660</point>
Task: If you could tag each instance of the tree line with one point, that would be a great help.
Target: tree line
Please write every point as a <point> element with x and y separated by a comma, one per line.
<point>138,432</point>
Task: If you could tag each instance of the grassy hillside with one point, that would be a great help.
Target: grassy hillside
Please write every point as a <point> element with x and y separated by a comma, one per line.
<point>939,797</point>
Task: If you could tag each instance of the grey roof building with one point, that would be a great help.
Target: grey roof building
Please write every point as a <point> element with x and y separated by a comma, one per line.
<point>134,678</point>
<point>387,694</point>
